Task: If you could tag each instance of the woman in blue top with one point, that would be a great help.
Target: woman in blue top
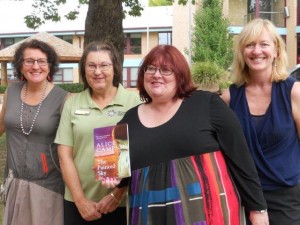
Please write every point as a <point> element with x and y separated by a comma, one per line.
<point>267,103</point>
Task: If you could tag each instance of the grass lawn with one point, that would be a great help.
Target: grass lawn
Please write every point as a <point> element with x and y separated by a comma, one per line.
<point>2,165</point>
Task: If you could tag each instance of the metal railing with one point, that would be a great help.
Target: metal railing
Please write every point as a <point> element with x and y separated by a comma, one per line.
<point>278,18</point>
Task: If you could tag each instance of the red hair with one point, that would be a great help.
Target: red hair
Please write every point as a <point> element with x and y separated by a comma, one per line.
<point>171,57</point>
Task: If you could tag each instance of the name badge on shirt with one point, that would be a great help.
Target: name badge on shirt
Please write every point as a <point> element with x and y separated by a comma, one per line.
<point>83,112</point>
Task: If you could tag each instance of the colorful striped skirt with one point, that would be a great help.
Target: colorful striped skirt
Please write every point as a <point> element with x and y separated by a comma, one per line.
<point>196,190</point>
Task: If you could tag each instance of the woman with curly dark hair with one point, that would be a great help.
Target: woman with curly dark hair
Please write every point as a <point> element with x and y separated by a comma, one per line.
<point>33,190</point>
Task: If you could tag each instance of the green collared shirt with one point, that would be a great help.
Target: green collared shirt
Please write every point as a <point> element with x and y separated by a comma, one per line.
<point>76,129</point>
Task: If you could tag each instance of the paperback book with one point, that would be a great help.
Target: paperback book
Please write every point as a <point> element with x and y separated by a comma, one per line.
<point>111,152</point>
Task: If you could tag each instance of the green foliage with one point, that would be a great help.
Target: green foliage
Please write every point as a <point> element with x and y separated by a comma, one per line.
<point>225,84</point>
<point>72,15</point>
<point>211,40</point>
<point>208,73</point>
<point>134,6</point>
<point>2,89</point>
<point>72,88</point>
<point>183,2</point>
<point>48,10</point>
<point>160,2</point>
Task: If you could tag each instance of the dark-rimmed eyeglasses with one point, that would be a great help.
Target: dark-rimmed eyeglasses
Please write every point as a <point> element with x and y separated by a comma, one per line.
<point>30,62</point>
<point>102,67</point>
<point>164,71</point>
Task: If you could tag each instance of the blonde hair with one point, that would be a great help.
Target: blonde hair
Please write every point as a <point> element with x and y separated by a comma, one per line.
<point>251,32</point>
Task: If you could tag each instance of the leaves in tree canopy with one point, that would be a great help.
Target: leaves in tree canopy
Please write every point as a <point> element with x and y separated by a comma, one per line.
<point>48,10</point>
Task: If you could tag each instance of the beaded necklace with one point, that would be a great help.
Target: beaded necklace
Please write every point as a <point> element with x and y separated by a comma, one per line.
<point>37,112</point>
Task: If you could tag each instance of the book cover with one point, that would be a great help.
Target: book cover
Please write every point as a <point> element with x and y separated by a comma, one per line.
<point>111,152</point>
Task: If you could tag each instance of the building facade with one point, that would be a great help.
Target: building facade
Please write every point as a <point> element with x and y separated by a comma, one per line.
<point>169,25</point>
<point>285,14</point>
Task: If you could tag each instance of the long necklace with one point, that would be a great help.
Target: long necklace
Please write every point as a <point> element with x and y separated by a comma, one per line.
<point>37,112</point>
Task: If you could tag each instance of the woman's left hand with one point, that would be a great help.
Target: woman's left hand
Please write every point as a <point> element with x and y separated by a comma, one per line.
<point>110,182</point>
<point>258,218</point>
<point>111,201</point>
<point>107,204</point>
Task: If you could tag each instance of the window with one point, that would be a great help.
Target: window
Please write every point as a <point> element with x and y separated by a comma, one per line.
<point>133,43</point>
<point>133,76</point>
<point>6,42</point>
<point>165,38</point>
<point>130,77</point>
<point>18,39</point>
<point>68,75</point>
<point>267,9</point>
<point>63,76</point>
<point>67,38</point>
<point>10,75</point>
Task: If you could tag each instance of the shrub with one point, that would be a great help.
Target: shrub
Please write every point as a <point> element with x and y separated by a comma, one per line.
<point>208,74</point>
<point>225,84</point>
<point>72,88</point>
<point>2,89</point>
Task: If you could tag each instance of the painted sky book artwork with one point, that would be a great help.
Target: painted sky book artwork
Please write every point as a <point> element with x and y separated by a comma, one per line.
<point>111,152</point>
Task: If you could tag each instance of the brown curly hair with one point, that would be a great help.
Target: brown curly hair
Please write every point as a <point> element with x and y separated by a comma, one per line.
<point>51,54</point>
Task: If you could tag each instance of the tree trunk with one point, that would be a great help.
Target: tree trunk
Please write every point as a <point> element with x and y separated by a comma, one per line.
<point>104,21</point>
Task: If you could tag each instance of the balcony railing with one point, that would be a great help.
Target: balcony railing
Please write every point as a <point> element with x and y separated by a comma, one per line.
<point>278,18</point>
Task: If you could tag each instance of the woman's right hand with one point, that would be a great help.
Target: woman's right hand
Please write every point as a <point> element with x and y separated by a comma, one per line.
<point>88,209</point>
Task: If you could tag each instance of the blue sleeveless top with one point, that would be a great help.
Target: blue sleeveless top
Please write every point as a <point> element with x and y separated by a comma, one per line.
<point>275,147</point>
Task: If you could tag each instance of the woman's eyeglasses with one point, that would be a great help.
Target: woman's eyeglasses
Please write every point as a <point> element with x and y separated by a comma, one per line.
<point>30,62</point>
<point>164,71</point>
<point>102,67</point>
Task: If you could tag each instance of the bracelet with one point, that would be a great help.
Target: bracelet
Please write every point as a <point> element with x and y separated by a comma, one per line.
<point>260,211</point>
<point>114,197</point>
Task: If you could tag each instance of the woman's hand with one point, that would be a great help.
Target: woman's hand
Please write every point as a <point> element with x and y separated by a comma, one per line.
<point>110,182</point>
<point>258,218</point>
<point>108,204</point>
<point>88,209</point>
<point>111,201</point>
